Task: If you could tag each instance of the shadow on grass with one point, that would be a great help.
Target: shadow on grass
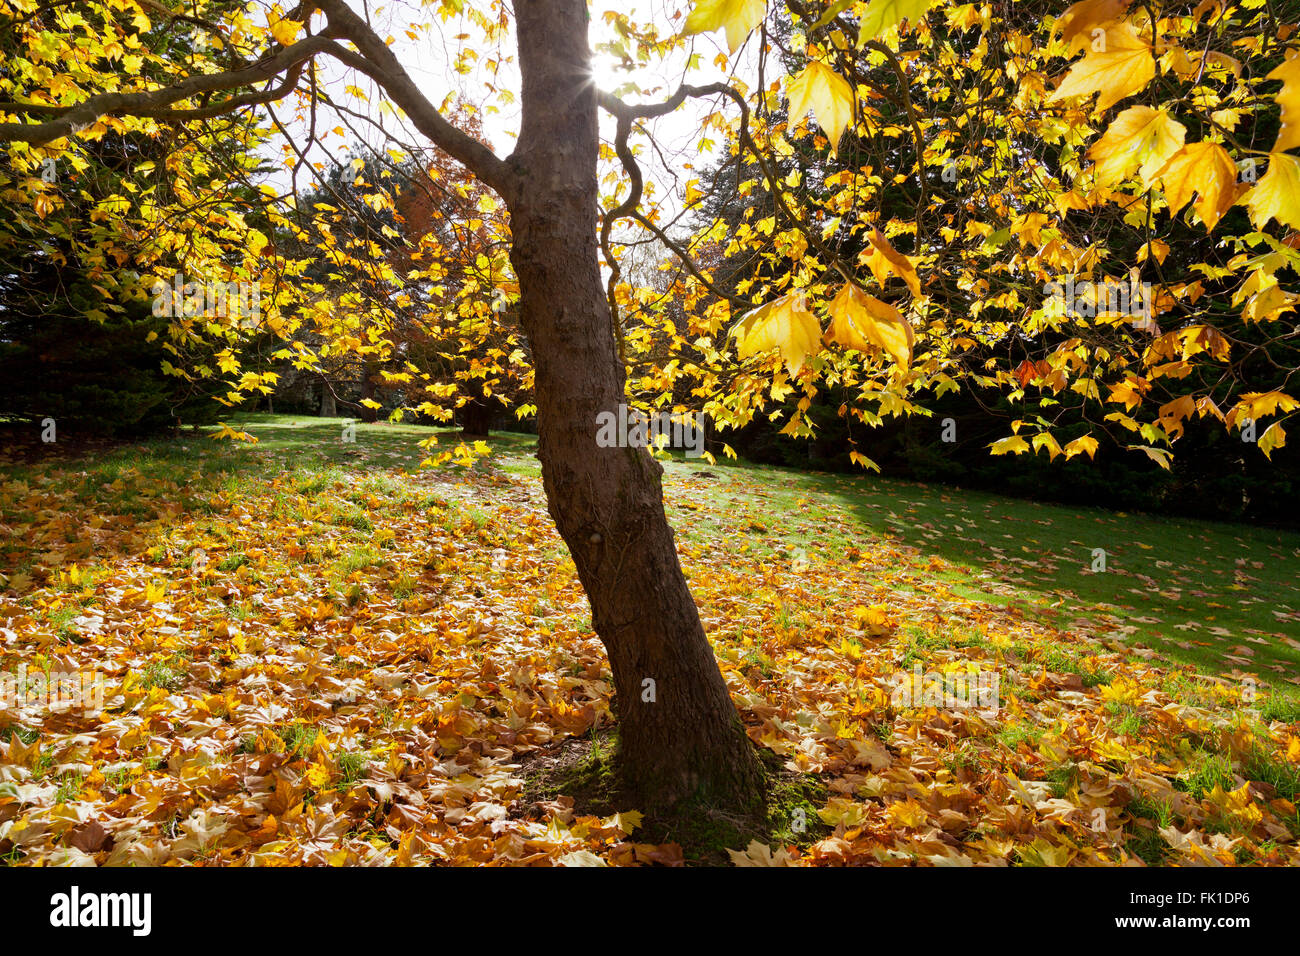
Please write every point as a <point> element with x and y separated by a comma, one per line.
<point>1215,595</point>
<point>90,503</point>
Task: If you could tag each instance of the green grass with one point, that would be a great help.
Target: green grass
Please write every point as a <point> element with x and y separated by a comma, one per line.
<point>1014,734</point>
<point>298,738</point>
<point>70,786</point>
<point>61,620</point>
<point>1284,777</point>
<point>170,674</point>
<point>1207,772</point>
<point>358,560</point>
<point>351,766</point>
<point>318,441</point>
<point>1143,837</point>
<point>1195,591</point>
<point>1217,596</point>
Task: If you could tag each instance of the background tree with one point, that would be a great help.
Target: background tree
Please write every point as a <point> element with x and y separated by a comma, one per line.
<point>79,340</point>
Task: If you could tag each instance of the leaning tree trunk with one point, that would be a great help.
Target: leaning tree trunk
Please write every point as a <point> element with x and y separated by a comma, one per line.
<point>680,736</point>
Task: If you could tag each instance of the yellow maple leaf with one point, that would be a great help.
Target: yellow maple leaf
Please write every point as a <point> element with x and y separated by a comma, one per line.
<point>737,17</point>
<point>1273,437</point>
<point>760,854</point>
<point>906,813</point>
<point>1139,138</point>
<point>884,260</point>
<point>784,324</point>
<point>1156,249</point>
<point>827,94</point>
<point>318,775</point>
<point>284,31</point>
<point>881,15</point>
<point>1085,443</point>
<point>1078,24</point>
<point>226,432</point>
<point>1158,455</point>
<point>1262,404</point>
<point>859,321</point>
<point>1238,804</point>
<point>1120,62</point>
<point>626,821</point>
<point>1207,170</point>
<point>1012,444</point>
<point>1042,853</point>
<point>1288,98</point>
<point>843,810</point>
<point>875,619</point>
<point>1277,195</point>
<point>1268,303</point>
<point>1046,440</point>
<point>862,461</point>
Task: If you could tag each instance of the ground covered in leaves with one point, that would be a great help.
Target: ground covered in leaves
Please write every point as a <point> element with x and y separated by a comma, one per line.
<point>315,652</point>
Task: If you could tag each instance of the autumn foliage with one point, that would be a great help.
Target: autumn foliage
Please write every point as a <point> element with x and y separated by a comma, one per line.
<point>1091,211</point>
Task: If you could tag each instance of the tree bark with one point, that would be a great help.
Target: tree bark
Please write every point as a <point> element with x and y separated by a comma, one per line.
<point>680,737</point>
<point>476,417</point>
<point>369,373</point>
<point>328,406</point>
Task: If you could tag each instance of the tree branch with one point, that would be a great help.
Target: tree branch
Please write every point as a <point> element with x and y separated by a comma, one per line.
<point>625,114</point>
<point>377,61</point>
<point>372,57</point>
<point>154,103</point>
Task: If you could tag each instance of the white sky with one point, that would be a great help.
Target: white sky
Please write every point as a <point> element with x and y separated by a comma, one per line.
<point>430,61</point>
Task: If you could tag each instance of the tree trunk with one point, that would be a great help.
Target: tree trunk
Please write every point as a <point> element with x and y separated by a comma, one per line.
<point>680,736</point>
<point>476,414</point>
<point>369,373</point>
<point>328,406</point>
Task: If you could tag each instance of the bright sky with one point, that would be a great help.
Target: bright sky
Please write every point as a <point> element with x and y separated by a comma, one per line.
<point>431,59</point>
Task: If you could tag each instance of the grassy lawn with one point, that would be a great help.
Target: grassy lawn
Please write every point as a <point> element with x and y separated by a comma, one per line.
<point>1220,596</point>
<point>1223,597</point>
<point>317,651</point>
